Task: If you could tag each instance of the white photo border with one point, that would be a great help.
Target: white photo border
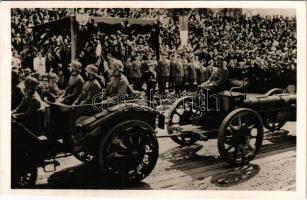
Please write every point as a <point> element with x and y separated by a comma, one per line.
<point>5,100</point>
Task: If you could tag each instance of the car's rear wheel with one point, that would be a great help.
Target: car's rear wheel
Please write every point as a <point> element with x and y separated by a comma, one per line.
<point>128,152</point>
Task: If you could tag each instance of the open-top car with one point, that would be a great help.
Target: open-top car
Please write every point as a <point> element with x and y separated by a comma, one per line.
<point>120,138</point>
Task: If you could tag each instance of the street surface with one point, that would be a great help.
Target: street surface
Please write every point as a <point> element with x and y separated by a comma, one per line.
<point>196,167</point>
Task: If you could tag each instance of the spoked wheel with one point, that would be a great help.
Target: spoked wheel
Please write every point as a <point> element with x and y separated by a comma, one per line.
<point>128,152</point>
<point>240,136</point>
<point>182,114</point>
<point>272,123</point>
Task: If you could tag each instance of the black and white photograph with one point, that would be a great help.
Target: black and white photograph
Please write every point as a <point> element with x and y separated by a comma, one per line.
<point>154,98</point>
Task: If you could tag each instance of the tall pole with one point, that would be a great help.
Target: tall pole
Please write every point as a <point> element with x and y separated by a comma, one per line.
<point>73,38</point>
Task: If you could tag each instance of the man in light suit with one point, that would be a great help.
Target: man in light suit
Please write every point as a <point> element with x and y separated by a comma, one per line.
<point>39,64</point>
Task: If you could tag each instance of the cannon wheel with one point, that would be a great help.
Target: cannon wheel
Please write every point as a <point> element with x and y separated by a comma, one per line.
<point>270,121</point>
<point>240,136</point>
<point>128,152</point>
<point>181,114</point>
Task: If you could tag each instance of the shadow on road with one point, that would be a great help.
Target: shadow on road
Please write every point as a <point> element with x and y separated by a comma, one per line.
<point>83,176</point>
<point>235,176</point>
<point>222,174</point>
<point>184,159</point>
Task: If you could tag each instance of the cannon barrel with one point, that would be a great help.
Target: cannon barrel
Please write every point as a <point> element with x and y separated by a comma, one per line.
<point>271,102</point>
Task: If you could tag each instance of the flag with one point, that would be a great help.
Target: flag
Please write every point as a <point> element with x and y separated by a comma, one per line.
<point>183,26</point>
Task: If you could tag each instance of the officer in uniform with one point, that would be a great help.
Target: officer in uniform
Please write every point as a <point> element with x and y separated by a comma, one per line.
<point>163,72</point>
<point>119,85</point>
<point>216,81</point>
<point>31,101</point>
<point>136,73</point>
<point>178,75</point>
<point>75,84</point>
<point>91,87</point>
<point>171,84</point>
<point>191,76</point>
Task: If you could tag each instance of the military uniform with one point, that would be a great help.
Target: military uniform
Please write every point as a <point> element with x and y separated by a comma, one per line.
<point>73,89</point>
<point>191,76</point>
<point>136,74</point>
<point>90,89</point>
<point>163,72</point>
<point>118,86</point>
<point>178,77</point>
<point>151,81</point>
<point>218,77</point>
<point>171,85</point>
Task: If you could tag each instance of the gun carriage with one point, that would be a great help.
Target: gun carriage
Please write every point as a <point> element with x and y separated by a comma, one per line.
<point>235,118</point>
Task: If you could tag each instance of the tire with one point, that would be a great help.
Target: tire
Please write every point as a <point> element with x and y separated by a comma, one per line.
<point>271,123</point>
<point>128,152</point>
<point>237,132</point>
<point>185,118</point>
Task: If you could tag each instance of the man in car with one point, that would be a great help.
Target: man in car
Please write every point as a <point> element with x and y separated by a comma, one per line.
<point>91,87</point>
<point>31,101</point>
<point>219,76</point>
<point>75,84</point>
<point>119,84</point>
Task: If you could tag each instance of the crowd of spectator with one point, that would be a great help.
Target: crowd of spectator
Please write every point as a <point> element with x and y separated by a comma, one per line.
<point>261,48</point>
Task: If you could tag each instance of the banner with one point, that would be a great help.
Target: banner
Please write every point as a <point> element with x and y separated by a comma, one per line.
<point>183,26</point>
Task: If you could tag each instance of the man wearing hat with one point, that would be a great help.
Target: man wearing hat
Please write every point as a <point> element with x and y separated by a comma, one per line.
<point>31,101</point>
<point>53,86</point>
<point>119,84</point>
<point>91,87</point>
<point>218,77</point>
<point>21,85</point>
<point>75,84</point>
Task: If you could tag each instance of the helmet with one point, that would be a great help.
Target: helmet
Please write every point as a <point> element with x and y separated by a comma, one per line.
<point>75,65</point>
<point>92,69</point>
<point>117,65</point>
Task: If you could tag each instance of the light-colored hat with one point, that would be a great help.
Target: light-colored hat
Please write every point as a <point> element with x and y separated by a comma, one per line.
<point>27,70</point>
<point>53,76</point>
<point>31,82</point>
<point>117,65</point>
<point>92,69</point>
<point>75,65</point>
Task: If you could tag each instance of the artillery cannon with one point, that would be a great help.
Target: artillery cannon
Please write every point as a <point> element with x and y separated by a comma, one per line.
<point>237,120</point>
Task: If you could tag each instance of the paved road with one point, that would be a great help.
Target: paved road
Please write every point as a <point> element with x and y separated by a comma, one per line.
<point>196,167</point>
